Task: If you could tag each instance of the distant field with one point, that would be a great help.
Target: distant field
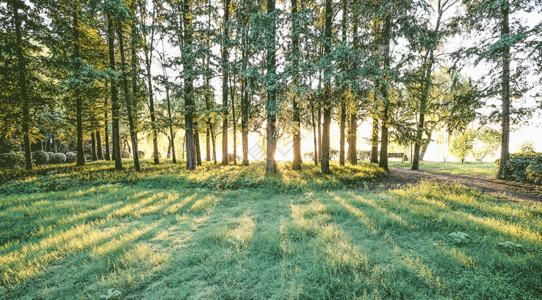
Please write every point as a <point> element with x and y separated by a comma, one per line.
<point>468,168</point>
<point>172,234</point>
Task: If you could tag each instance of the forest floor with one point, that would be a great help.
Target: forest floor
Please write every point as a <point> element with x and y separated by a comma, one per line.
<point>232,233</point>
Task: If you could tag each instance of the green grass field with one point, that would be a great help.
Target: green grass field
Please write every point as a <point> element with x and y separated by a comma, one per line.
<point>231,233</point>
<point>468,168</point>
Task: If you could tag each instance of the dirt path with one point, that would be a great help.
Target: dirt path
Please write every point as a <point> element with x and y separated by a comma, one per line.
<point>400,177</point>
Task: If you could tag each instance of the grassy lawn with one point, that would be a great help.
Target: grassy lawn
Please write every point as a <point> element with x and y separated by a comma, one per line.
<point>468,168</point>
<point>230,233</point>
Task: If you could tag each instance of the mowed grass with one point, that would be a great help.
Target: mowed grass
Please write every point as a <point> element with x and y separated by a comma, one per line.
<point>139,240</point>
<point>457,168</point>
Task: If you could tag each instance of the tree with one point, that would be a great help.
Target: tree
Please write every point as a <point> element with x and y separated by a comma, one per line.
<point>271,88</point>
<point>462,144</point>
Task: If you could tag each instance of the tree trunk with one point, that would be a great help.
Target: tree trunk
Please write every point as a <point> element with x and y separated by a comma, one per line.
<point>106,129</point>
<point>128,98</point>
<point>383,163</point>
<point>505,138</point>
<point>22,85</point>
<point>149,50</point>
<point>93,145</point>
<point>245,103</point>
<point>78,100</point>
<point>207,143</point>
<point>99,144</point>
<point>319,134</point>
<point>296,164</point>
<point>352,139</point>
<point>197,142</point>
<point>342,129</point>
<point>271,106</point>
<point>115,106</point>
<point>234,122</point>
<point>188,87</point>
<point>314,128</point>
<point>327,95</point>
<point>225,83</point>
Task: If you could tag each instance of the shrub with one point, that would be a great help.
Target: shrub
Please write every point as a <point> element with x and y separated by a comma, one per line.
<point>11,159</point>
<point>525,168</point>
<point>50,154</point>
<point>141,154</point>
<point>57,158</point>
<point>40,157</point>
<point>70,157</point>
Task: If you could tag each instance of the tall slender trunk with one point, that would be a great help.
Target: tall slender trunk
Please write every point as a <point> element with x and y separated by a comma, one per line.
<point>99,144</point>
<point>106,129</point>
<point>171,133</point>
<point>115,105</point>
<point>426,85</point>
<point>197,142</point>
<point>225,83</point>
<point>245,103</point>
<point>505,138</point>
<point>296,139</point>
<point>128,99</point>
<point>234,122</point>
<point>188,86</point>
<point>213,140</point>
<point>376,128</point>
<point>149,50</point>
<point>78,100</point>
<point>207,143</point>
<point>22,85</point>
<point>314,129</point>
<point>319,134</point>
<point>93,145</point>
<point>383,163</point>
<point>342,129</point>
<point>271,105</point>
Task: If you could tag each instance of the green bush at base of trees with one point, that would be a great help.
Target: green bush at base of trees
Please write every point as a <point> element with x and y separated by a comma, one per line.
<point>525,168</point>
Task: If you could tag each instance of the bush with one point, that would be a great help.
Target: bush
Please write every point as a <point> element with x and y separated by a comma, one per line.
<point>525,168</point>
<point>125,154</point>
<point>11,159</point>
<point>50,154</point>
<point>70,157</point>
<point>57,158</point>
<point>40,157</point>
<point>141,154</point>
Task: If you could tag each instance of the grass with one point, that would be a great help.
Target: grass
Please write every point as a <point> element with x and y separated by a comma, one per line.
<point>468,168</point>
<point>146,239</point>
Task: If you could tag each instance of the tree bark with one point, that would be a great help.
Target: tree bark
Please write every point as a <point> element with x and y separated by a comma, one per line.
<point>324,164</point>
<point>78,100</point>
<point>197,142</point>
<point>271,107</point>
<point>188,87</point>
<point>296,164</point>
<point>383,163</point>
<point>22,85</point>
<point>106,129</point>
<point>314,128</point>
<point>93,145</point>
<point>149,50</point>
<point>99,144</point>
<point>128,99</point>
<point>234,122</point>
<point>115,106</point>
<point>505,138</point>
<point>225,83</point>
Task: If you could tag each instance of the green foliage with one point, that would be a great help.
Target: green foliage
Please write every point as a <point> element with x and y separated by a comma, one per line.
<point>40,157</point>
<point>462,144</point>
<point>11,160</point>
<point>525,168</point>
<point>70,157</point>
<point>57,158</point>
<point>526,147</point>
<point>459,237</point>
<point>487,142</point>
